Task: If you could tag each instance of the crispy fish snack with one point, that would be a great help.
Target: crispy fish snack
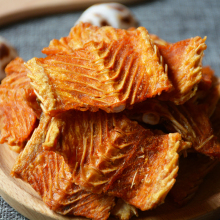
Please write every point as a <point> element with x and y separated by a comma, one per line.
<point>108,152</point>
<point>150,174</point>
<point>17,118</point>
<point>108,76</point>
<point>17,79</point>
<point>184,60</point>
<point>50,175</point>
<point>16,74</point>
<point>190,120</point>
<point>85,151</point>
<point>193,169</point>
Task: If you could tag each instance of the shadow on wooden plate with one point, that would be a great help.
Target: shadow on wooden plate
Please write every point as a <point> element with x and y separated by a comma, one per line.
<point>18,194</point>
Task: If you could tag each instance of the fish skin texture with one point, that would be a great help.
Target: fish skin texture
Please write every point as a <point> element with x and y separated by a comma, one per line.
<point>108,151</point>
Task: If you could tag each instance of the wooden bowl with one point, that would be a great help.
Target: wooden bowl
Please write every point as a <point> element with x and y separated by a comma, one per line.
<point>18,194</point>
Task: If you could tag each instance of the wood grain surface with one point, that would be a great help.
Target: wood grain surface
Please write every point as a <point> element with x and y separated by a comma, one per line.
<point>15,10</point>
<point>18,194</point>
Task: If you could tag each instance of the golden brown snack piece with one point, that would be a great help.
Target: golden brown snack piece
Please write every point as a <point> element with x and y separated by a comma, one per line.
<point>16,74</point>
<point>16,66</point>
<point>149,175</point>
<point>123,210</point>
<point>50,175</point>
<point>109,76</point>
<point>17,79</point>
<point>190,120</point>
<point>102,148</point>
<point>184,60</point>
<point>193,169</point>
<point>17,118</point>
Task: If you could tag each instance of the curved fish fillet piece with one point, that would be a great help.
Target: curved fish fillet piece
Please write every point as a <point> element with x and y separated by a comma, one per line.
<point>193,169</point>
<point>17,118</point>
<point>108,76</point>
<point>184,60</point>
<point>190,120</point>
<point>108,152</point>
<point>97,145</point>
<point>50,175</point>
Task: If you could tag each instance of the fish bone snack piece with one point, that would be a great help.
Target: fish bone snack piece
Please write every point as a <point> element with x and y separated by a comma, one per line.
<point>17,118</point>
<point>109,14</point>
<point>109,74</point>
<point>7,53</point>
<point>49,173</point>
<point>110,154</point>
<point>184,60</point>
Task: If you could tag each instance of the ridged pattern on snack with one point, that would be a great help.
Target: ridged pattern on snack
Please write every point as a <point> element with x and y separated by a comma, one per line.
<point>17,118</point>
<point>184,60</point>
<point>49,173</point>
<point>106,75</point>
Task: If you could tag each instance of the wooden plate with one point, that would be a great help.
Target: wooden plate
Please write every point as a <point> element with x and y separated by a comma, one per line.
<point>14,10</point>
<point>205,205</point>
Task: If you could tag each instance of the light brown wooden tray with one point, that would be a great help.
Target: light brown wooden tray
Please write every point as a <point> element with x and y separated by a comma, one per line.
<point>205,205</point>
<point>14,10</point>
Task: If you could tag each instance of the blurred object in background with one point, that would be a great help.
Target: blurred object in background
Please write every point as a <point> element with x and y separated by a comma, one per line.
<point>109,14</point>
<point>7,53</point>
<point>14,10</point>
